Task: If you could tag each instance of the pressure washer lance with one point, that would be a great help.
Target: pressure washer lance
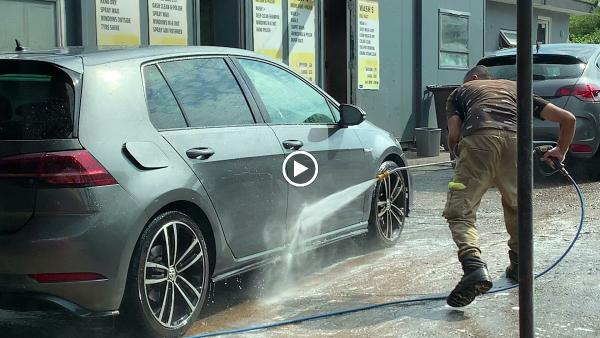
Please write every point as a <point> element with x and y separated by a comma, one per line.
<point>538,151</point>
<point>382,176</point>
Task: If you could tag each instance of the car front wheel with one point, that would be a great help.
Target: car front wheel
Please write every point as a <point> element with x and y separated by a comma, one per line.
<point>168,278</point>
<point>388,207</point>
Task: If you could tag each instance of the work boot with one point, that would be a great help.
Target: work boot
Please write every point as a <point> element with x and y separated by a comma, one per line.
<point>475,281</point>
<point>512,271</point>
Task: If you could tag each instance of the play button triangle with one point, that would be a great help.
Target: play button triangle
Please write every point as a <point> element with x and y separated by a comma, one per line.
<point>299,169</point>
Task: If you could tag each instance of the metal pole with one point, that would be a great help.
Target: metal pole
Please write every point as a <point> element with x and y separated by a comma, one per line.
<point>525,165</point>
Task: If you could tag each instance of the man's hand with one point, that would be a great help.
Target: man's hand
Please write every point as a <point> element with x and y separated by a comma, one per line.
<point>553,153</point>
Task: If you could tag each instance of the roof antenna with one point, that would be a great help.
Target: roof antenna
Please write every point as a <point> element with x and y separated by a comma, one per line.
<point>19,47</point>
<point>538,45</point>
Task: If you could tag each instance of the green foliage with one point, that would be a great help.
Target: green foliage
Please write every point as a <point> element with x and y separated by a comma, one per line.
<point>585,28</point>
<point>587,38</point>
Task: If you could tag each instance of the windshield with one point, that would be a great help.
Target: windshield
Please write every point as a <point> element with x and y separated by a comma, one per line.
<point>37,101</point>
<point>545,67</point>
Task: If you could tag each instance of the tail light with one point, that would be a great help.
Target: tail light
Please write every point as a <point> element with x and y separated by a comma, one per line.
<point>585,92</point>
<point>66,168</point>
<point>581,148</point>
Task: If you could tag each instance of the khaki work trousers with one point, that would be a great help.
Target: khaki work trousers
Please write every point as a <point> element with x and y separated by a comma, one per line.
<point>486,158</point>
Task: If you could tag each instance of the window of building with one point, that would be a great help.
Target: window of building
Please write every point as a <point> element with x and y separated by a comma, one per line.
<point>508,38</point>
<point>162,106</point>
<point>208,92</point>
<point>36,24</point>
<point>543,30</point>
<point>288,99</point>
<point>454,39</point>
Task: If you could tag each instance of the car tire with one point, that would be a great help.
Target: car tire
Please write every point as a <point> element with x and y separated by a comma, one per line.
<point>388,211</point>
<point>168,278</point>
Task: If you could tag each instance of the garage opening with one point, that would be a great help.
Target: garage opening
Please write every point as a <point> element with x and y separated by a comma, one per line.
<point>221,23</point>
<point>336,26</point>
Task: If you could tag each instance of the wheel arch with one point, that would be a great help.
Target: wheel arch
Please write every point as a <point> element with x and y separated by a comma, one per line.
<point>201,218</point>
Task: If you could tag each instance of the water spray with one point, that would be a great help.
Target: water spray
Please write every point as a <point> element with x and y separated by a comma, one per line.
<point>538,152</point>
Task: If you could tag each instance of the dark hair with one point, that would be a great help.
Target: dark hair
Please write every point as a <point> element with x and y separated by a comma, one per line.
<point>482,72</point>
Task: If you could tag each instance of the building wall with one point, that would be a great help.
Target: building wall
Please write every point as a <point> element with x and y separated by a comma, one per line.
<point>409,46</point>
<point>431,72</point>
<point>504,16</point>
<point>391,107</point>
<point>88,20</point>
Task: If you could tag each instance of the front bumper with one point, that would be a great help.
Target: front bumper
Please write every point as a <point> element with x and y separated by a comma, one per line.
<point>90,230</point>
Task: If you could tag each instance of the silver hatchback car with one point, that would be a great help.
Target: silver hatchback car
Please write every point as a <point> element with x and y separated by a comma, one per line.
<point>131,179</point>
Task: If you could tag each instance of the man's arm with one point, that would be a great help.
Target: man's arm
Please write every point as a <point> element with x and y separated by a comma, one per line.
<point>566,120</point>
<point>454,122</point>
<point>454,131</point>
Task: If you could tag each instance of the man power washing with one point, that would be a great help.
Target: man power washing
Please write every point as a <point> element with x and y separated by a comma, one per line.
<point>482,115</point>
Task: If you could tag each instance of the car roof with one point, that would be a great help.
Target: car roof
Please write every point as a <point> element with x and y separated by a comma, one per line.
<point>103,55</point>
<point>581,51</point>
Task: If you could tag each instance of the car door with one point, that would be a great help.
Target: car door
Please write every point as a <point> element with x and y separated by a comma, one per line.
<point>237,160</point>
<point>303,120</point>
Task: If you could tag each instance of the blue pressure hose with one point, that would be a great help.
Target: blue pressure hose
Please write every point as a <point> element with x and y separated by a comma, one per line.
<point>433,297</point>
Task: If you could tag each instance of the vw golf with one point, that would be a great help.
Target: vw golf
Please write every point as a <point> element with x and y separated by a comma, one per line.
<point>131,179</point>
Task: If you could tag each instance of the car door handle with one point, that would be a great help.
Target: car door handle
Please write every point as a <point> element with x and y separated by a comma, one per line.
<point>293,144</point>
<point>200,153</point>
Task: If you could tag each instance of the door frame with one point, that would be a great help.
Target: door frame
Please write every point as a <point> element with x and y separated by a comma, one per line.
<point>548,22</point>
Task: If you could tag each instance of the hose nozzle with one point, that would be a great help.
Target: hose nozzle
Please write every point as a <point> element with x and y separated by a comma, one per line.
<point>383,175</point>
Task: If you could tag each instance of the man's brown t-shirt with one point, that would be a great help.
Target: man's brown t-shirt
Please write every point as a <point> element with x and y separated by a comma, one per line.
<point>484,104</point>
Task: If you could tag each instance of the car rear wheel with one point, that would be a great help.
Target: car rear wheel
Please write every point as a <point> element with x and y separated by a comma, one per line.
<point>388,207</point>
<point>168,278</point>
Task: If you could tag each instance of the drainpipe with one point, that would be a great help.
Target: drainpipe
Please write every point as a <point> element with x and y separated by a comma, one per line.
<point>418,62</point>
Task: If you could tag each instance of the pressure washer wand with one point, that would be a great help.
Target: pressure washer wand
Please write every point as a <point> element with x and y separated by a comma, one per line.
<point>382,176</point>
<point>558,166</point>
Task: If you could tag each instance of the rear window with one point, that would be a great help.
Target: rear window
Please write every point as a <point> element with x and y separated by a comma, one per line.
<point>545,67</point>
<point>37,101</point>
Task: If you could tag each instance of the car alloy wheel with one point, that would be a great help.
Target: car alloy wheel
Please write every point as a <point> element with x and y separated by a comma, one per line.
<point>388,210</point>
<point>172,279</point>
<point>391,206</point>
<point>168,279</point>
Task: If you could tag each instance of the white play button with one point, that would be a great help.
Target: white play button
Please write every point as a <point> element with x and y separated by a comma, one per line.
<point>299,169</point>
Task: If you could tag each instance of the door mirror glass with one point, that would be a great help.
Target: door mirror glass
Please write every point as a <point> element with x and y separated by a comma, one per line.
<point>351,115</point>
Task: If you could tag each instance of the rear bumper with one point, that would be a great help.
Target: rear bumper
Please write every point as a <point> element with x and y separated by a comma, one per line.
<point>90,230</point>
<point>39,301</point>
<point>586,134</point>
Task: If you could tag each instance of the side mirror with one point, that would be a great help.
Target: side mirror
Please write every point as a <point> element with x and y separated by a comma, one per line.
<point>351,115</point>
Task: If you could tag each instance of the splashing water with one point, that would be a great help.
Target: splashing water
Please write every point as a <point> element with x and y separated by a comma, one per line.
<point>308,224</point>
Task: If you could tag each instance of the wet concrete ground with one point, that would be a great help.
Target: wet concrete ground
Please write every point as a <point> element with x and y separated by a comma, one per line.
<point>347,275</point>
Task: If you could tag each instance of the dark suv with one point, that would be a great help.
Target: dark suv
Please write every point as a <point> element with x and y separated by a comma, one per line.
<point>130,179</point>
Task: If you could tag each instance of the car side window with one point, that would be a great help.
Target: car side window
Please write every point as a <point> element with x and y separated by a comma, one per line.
<point>162,106</point>
<point>287,99</point>
<point>208,92</point>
